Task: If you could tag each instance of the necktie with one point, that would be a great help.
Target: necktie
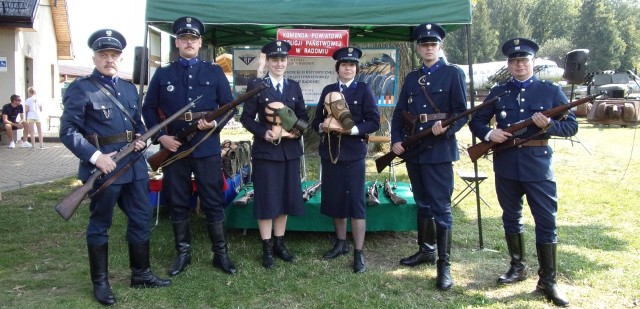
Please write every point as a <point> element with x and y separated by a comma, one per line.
<point>278,88</point>
<point>343,87</point>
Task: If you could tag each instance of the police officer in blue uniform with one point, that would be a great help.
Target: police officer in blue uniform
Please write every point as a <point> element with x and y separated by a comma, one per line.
<point>94,127</point>
<point>276,160</point>
<point>434,92</point>
<point>171,88</point>
<point>525,170</point>
<point>343,171</point>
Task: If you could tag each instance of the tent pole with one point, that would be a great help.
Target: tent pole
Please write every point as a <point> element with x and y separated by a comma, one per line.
<point>143,66</point>
<point>472,92</point>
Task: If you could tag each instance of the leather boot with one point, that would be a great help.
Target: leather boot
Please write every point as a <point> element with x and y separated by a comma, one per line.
<point>547,273</point>
<point>99,268</point>
<point>280,250</point>
<point>219,247</point>
<point>268,261</point>
<point>359,263</point>
<point>426,244</point>
<point>182,236</point>
<point>141,275</point>
<point>518,270</point>
<point>443,279</point>
<point>340,247</point>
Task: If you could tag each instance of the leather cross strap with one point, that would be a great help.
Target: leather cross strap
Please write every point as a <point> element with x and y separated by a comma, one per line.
<point>112,98</point>
<point>423,86</point>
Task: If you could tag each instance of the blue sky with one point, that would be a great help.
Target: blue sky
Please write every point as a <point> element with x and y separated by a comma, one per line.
<point>87,16</point>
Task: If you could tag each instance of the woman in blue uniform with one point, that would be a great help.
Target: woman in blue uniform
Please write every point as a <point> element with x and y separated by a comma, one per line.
<point>343,156</point>
<point>275,153</point>
<point>433,93</point>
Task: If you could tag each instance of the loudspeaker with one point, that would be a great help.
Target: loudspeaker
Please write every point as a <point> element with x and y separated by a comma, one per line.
<point>139,60</point>
<point>575,63</point>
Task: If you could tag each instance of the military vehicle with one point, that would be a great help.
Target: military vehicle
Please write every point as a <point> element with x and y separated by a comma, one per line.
<point>618,105</point>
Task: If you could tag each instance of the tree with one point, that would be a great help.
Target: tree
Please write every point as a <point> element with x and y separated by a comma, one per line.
<point>484,38</point>
<point>597,31</point>
<point>510,18</point>
<point>555,49</point>
<point>553,19</point>
<point>628,13</point>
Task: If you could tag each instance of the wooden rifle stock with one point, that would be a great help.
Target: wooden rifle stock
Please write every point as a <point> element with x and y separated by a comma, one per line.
<point>67,207</point>
<point>478,150</point>
<point>388,191</point>
<point>415,139</point>
<point>372,194</point>
<point>157,159</point>
<point>311,190</point>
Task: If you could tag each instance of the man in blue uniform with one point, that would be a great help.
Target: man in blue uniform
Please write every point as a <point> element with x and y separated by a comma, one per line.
<point>343,156</point>
<point>526,168</point>
<point>171,88</point>
<point>275,154</point>
<point>434,92</point>
<point>101,116</point>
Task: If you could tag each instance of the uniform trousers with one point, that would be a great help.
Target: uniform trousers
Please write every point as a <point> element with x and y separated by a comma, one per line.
<point>432,186</point>
<point>207,173</point>
<point>543,202</point>
<point>133,200</point>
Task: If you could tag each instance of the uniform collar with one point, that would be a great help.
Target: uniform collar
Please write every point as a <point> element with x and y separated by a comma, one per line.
<point>436,66</point>
<point>188,62</point>
<point>525,83</point>
<point>274,82</point>
<point>348,84</point>
<point>109,80</point>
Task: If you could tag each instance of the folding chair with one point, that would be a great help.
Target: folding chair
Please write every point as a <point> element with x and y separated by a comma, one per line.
<point>469,179</point>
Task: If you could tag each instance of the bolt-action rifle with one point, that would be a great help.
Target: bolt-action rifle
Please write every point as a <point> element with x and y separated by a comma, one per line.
<point>478,150</point>
<point>311,190</point>
<point>388,191</point>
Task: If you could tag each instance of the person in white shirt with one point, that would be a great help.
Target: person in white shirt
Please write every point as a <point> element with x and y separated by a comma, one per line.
<point>33,110</point>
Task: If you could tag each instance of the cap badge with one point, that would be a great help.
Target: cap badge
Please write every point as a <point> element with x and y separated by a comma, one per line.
<point>109,32</point>
<point>279,43</point>
<point>188,19</point>
<point>516,42</point>
<point>350,50</point>
<point>428,26</point>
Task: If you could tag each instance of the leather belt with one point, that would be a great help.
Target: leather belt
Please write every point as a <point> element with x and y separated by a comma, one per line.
<point>428,117</point>
<point>190,116</point>
<point>96,140</point>
<point>530,143</point>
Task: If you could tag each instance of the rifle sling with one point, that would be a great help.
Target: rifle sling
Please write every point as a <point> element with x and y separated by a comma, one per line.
<point>115,176</point>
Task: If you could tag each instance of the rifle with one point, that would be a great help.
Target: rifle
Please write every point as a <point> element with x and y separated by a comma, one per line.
<point>244,199</point>
<point>388,191</point>
<point>157,159</point>
<point>311,190</point>
<point>372,194</point>
<point>69,204</point>
<point>415,139</point>
<point>478,150</point>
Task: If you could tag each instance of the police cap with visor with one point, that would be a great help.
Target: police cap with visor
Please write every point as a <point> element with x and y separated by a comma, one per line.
<point>347,54</point>
<point>187,25</point>
<point>277,48</point>
<point>428,33</point>
<point>520,48</point>
<point>107,39</point>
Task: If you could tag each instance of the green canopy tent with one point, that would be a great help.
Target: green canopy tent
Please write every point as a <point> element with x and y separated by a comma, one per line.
<point>255,22</point>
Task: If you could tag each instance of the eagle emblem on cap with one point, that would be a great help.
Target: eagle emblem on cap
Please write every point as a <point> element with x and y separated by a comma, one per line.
<point>109,32</point>
<point>279,43</point>
<point>428,26</point>
<point>189,19</point>
<point>516,42</point>
<point>350,50</point>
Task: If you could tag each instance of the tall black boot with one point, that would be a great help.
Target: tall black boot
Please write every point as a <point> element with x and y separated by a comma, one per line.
<point>547,273</point>
<point>268,261</point>
<point>359,263</point>
<point>280,250</point>
<point>443,279</point>
<point>518,270</point>
<point>99,268</point>
<point>340,247</point>
<point>141,275</point>
<point>219,247</point>
<point>426,244</point>
<point>182,236</point>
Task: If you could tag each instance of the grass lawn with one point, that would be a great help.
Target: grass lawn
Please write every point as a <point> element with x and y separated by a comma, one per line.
<point>44,264</point>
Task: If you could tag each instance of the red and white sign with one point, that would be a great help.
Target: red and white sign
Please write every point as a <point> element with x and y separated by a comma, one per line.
<point>314,42</point>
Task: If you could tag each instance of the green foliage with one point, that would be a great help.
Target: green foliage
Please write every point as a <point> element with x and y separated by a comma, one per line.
<point>555,49</point>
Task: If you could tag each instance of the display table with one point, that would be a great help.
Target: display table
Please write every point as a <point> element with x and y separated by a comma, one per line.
<point>383,217</point>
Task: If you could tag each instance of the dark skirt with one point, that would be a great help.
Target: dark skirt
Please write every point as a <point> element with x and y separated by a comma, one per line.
<point>343,189</point>
<point>277,189</point>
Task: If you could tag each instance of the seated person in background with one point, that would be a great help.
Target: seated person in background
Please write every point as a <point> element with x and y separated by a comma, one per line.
<point>10,114</point>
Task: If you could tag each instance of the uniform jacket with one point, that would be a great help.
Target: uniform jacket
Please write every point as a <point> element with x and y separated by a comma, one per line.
<point>524,163</point>
<point>292,98</point>
<point>87,111</point>
<point>364,111</point>
<point>446,85</point>
<point>173,86</point>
